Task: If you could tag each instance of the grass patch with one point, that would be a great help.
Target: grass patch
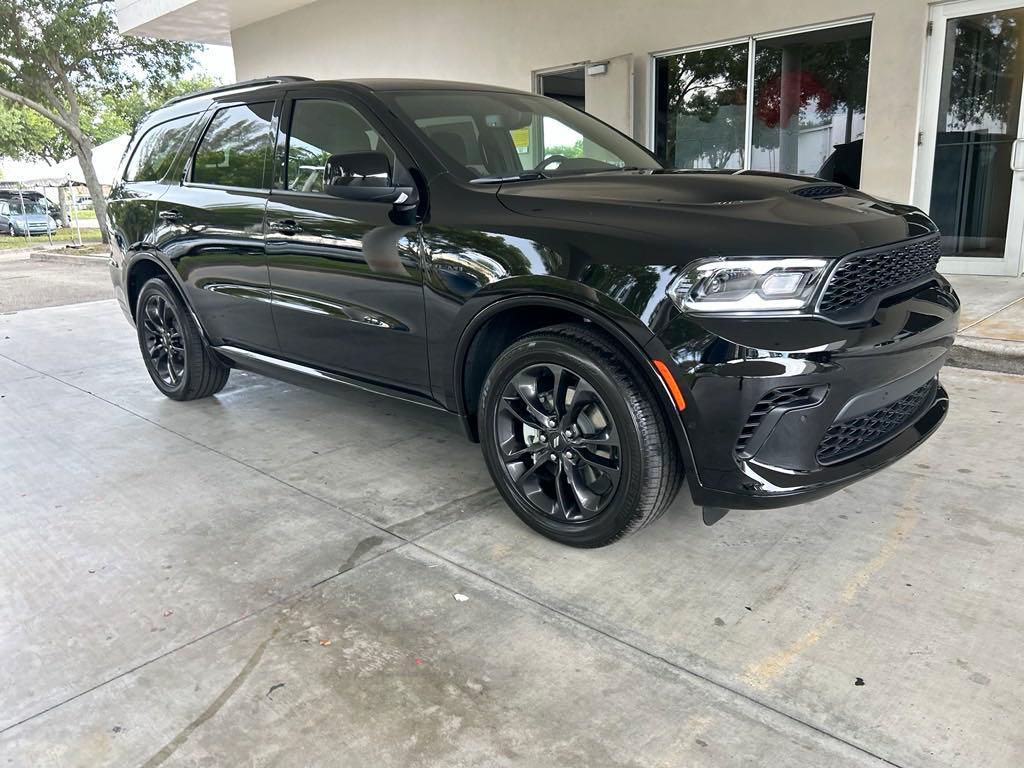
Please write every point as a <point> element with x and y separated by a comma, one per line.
<point>62,237</point>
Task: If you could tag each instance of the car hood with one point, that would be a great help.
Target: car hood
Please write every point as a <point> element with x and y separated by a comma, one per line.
<point>721,213</point>
<point>31,218</point>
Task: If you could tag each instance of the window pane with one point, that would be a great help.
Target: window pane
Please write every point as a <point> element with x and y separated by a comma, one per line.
<point>701,108</point>
<point>979,107</point>
<point>235,146</point>
<point>321,128</point>
<point>809,96</point>
<point>157,149</point>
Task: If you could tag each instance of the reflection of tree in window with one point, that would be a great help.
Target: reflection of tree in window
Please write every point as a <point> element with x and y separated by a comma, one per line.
<point>809,96</point>
<point>234,148</point>
<point>702,99</point>
<point>156,151</point>
<point>802,85</point>
<point>984,74</point>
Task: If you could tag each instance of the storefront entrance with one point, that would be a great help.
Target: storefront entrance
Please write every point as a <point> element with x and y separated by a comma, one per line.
<point>970,174</point>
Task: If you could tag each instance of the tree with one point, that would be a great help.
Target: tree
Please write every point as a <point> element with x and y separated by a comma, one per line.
<point>703,105</point>
<point>56,56</point>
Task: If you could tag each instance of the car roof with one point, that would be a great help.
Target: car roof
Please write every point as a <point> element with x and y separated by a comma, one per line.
<point>412,84</point>
<point>190,104</point>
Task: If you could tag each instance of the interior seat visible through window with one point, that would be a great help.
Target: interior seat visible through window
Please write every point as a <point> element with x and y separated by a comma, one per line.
<point>321,128</point>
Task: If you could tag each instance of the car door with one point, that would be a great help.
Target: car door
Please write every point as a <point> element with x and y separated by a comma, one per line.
<point>145,177</point>
<point>210,225</point>
<point>346,278</point>
<point>5,220</point>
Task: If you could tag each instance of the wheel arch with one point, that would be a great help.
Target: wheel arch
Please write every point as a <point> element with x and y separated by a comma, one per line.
<point>145,266</point>
<point>501,322</point>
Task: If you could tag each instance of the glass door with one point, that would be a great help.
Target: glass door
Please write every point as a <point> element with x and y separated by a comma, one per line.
<point>971,162</point>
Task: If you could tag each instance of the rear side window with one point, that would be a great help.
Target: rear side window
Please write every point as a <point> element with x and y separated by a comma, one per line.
<point>156,150</point>
<point>234,148</point>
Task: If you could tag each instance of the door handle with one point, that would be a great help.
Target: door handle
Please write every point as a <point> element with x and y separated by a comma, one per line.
<point>286,227</point>
<point>171,215</point>
<point>1015,163</point>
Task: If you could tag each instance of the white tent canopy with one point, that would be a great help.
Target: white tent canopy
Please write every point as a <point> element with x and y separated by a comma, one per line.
<point>105,158</point>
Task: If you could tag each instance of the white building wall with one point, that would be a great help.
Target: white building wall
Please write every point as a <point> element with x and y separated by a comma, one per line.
<point>505,42</point>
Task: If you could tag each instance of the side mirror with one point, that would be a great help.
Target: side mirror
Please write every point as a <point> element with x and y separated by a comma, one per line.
<point>366,176</point>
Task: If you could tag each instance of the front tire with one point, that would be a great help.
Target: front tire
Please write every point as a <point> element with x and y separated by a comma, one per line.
<point>179,361</point>
<point>574,439</point>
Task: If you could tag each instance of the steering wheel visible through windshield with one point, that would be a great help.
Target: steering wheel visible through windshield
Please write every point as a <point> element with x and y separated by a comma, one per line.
<point>494,134</point>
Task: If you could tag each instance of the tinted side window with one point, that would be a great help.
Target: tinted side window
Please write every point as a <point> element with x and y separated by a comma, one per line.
<point>234,147</point>
<point>321,128</point>
<point>156,150</point>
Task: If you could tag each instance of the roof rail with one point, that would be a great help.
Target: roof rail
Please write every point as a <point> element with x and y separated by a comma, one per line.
<point>272,80</point>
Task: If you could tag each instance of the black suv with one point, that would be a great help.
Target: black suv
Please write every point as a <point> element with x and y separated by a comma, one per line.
<point>603,325</point>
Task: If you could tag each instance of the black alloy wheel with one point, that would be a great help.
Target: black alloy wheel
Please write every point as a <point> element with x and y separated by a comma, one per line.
<point>574,437</point>
<point>161,333</point>
<point>177,357</point>
<point>558,442</point>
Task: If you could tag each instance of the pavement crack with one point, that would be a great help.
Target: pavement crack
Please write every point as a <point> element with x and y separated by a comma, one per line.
<point>215,706</point>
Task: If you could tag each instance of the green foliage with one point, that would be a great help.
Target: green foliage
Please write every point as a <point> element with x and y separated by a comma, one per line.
<point>566,150</point>
<point>55,51</point>
<point>118,115</point>
<point>27,135</point>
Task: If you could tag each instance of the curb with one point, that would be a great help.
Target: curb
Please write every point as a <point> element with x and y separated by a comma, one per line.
<point>69,258</point>
<point>987,354</point>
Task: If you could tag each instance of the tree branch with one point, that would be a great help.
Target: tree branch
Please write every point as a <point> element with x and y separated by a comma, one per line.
<point>49,114</point>
<point>69,91</point>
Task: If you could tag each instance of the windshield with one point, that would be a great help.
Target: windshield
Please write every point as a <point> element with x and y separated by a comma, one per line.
<point>490,134</point>
<point>31,208</point>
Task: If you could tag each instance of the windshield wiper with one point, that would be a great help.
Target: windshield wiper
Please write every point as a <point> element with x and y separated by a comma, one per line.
<point>524,176</point>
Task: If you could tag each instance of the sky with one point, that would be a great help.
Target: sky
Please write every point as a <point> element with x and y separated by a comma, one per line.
<point>215,60</point>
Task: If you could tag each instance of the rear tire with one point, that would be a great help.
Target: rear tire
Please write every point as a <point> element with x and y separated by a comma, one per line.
<point>178,359</point>
<point>574,438</point>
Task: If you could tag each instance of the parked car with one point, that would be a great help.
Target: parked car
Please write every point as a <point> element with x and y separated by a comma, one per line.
<point>843,165</point>
<point>32,196</point>
<point>19,220</point>
<point>606,327</point>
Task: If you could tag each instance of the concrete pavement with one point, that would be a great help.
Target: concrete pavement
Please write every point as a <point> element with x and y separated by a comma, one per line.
<point>269,577</point>
<point>26,283</point>
<point>991,333</point>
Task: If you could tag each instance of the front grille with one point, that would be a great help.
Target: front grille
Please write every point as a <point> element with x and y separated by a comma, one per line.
<point>777,398</point>
<point>858,277</point>
<point>848,438</point>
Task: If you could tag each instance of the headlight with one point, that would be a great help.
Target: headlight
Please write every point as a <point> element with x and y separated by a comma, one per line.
<point>727,286</point>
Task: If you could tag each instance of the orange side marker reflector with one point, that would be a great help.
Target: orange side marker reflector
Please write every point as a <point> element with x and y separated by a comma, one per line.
<point>673,388</point>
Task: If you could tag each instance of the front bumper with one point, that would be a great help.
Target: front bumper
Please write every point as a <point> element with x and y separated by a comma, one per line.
<point>785,411</point>
<point>33,229</point>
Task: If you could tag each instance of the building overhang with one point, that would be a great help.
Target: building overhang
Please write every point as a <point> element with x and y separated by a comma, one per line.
<point>200,21</point>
